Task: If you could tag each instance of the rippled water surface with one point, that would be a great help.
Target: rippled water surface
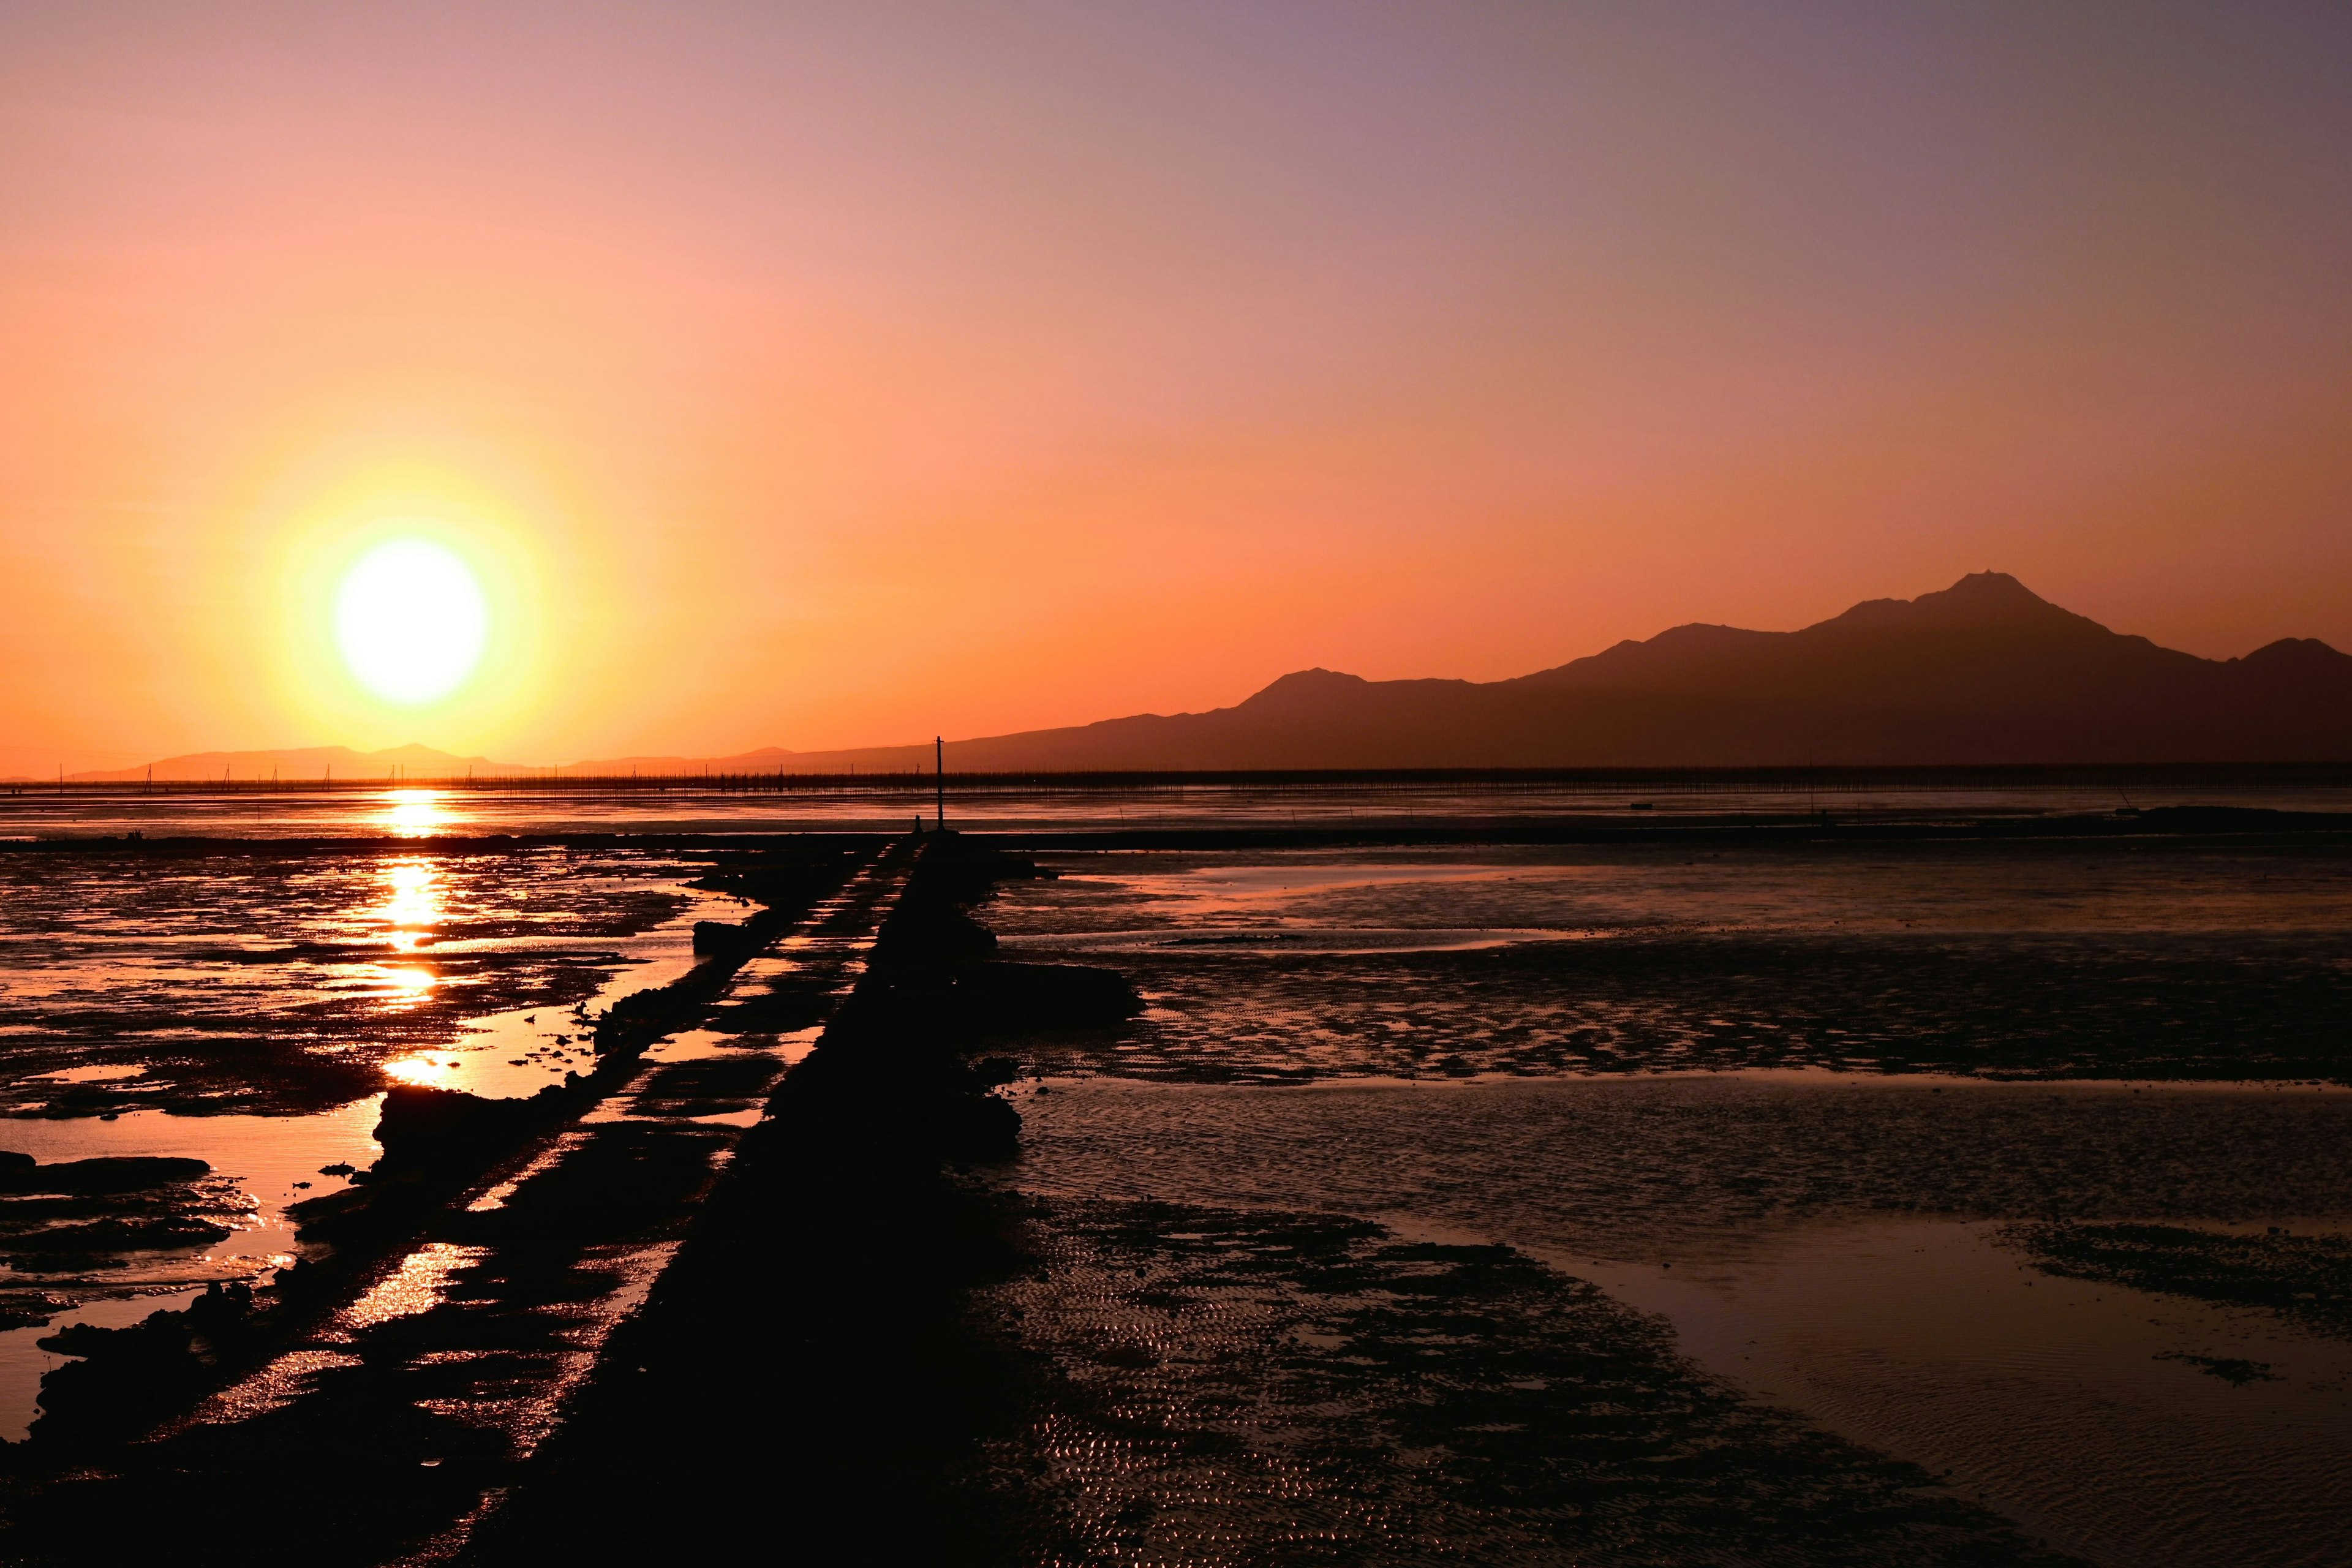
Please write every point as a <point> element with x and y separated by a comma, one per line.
<point>1789,1103</point>
<point>249,980</point>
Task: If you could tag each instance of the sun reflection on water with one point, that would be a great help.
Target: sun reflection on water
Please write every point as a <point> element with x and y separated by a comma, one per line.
<point>413,905</point>
<point>416,1286</point>
<point>414,813</point>
<point>411,911</point>
<point>427,1070</point>
<point>407,984</point>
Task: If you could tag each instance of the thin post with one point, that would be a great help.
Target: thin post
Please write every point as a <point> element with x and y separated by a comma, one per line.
<point>940,772</point>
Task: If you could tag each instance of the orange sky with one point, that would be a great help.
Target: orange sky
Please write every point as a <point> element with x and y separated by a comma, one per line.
<point>818,375</point>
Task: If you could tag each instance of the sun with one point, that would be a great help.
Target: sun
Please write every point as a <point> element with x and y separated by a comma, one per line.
<point>411,620</point>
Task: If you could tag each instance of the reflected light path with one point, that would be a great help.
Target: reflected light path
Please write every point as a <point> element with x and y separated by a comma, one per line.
<point>414,813</point>
<point>429,1070</point>
<point>413,906</point>
<point>411,911</point>
<point>410,984</point>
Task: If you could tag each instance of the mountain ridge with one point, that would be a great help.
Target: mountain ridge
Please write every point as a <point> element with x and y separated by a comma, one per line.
<point>1985,671</point>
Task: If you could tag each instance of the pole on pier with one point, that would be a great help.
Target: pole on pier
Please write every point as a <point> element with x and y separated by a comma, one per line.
<point>939,773</point>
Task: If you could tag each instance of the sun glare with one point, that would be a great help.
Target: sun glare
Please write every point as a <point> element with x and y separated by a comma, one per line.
<point>411,620</point>
<point>414,813</point>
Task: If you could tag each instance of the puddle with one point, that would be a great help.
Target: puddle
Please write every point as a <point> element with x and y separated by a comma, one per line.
<point>2080,1410</point>
<point>512,1055</point>
<point>266,1156</point>
<point>87,1074</point>
<point>416,1285</point>
<point>23,1363</point>
<point>695,1045</point>
<point>515,1054</point>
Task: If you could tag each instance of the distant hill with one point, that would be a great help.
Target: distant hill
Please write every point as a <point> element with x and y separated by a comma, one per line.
<point>305,762</point>
<point>1983,672</point>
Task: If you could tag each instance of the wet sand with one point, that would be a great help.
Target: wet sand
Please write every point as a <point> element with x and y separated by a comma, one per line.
<point>2089,959</point>
<point>1244,1386</point>
<point>1950,1152</point>
<point>1834,1246</point>
<point>1397,1227</point>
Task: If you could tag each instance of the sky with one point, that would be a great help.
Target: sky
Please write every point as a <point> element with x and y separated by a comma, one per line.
<point>832,375</point>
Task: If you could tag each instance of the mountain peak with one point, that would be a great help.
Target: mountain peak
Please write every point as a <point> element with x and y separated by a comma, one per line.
<point>1304,685</point>
<point>1981,601</point>
<point>1987,588</point>
<point>2297,654</point>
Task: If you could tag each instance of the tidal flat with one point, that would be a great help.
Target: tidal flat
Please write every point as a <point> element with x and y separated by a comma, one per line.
<point>246,1004</point>
<point>1962,1203</point>
<point>2119,959</point>
<point>1937,1202</point>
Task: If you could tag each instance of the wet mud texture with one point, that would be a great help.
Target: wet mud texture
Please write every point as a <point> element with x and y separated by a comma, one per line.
<point>2304,1280</point>
<point>425,1356</point>
<point>1699,1166</point>
<point>2212,1007</point>
<point>1220,1387</point>
<point>2054,960</point>
<point>804,1372</point>
<point>259,982</point>
<point>392,1424</point>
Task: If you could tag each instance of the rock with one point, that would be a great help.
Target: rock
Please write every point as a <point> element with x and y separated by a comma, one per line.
<point>722,939</point>
<point>413,1115</point>
<point>127,1235</point>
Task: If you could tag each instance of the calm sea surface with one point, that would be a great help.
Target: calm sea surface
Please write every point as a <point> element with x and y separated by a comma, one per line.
<point>28,812</point>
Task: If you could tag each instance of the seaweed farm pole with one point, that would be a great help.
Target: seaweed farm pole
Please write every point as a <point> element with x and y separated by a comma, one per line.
<point>939,773</point>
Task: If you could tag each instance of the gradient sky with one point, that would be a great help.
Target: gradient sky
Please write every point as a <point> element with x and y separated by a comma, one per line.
<point>832,375</point>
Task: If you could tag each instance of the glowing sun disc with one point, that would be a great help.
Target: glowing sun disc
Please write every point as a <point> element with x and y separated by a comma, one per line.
<point>411,621</point>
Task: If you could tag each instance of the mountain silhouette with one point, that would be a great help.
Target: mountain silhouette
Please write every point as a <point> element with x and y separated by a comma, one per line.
<point>1984,672</point>
<point>304,762</point>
